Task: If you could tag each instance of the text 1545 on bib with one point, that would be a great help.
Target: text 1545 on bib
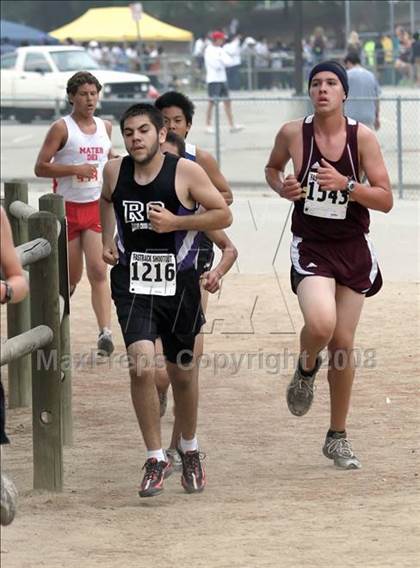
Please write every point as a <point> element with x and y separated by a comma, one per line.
<point>324,203</point>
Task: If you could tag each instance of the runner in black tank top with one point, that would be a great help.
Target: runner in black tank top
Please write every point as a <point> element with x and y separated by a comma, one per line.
<point>333,263</point>
<point>155,287</point>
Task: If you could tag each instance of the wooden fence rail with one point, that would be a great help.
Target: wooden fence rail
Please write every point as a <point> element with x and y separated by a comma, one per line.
<point>41,328</point>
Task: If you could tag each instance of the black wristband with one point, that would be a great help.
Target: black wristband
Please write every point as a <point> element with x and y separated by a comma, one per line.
<point>9,293</point>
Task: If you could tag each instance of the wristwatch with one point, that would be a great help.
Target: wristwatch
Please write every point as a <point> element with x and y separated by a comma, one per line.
<point>9,293</point>
<point>351,185</point>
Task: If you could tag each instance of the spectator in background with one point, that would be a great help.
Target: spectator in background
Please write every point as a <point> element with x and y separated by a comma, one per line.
<point>106,57</point>
<point>262,63</point>
<point>415,54</point>
<point>95,51</point>
<point>379,52</point>
<point>119,59</point>
<point>154,65</point>
<point>369,52</point>
<point>362,83</point>
<point>307,56</point>
<point>388,51</point>
<point>198,52</point>
<point>132,58</point>
<point>404,58</point>
<point>354,45</point>
<point>216,60</point>
<point>318,45</point>
<point>233,69</point>
<point>6,46</point>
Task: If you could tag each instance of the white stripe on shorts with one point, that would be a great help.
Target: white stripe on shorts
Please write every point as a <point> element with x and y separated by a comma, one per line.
<point>374,270</point>
<point>294,256</point>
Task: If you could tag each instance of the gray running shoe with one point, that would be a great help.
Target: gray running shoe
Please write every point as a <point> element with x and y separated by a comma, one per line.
<point>163,402</point>
<point>300,392</point>
<point>8,500</point>
<point>105,343</point>
<point>174,458</point>
<point>340,450</point>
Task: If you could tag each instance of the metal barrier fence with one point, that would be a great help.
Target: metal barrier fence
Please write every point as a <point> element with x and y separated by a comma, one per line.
<point>183,72</point>
<point>40,326</point>
<point>243,154</point>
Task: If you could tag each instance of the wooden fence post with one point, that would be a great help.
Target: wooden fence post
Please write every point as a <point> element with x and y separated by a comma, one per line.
<point>46,363</point>
<point>55,204</point>
<point>18,315</point>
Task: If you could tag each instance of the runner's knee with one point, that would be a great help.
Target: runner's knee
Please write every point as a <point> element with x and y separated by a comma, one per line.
<point>321,330</point>
<point>97,272</point>
<point>341,340</point>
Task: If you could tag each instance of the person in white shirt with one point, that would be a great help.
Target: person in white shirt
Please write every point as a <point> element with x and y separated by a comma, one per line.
<point>216,60</point>
<point>95,51</point>
<point>233,49</point>
<point>198,52</point>
<point>74,154</point>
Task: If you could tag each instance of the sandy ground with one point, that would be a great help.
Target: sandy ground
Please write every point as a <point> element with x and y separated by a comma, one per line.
<point>272,499</point>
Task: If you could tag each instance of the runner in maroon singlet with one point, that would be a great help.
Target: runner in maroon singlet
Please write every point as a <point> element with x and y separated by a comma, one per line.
<point>333,262</point>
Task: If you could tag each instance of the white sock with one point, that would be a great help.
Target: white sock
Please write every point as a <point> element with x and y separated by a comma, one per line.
<point>188,445</point>
<point>158,454</point>
<point>105,330</point>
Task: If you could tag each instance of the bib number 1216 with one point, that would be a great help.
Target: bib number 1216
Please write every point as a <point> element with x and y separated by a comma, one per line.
<point>153,274</point>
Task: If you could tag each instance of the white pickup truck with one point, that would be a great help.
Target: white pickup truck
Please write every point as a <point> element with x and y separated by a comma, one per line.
<point>33,82</point>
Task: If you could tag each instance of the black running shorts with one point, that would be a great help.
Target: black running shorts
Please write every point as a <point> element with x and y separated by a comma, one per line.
<point>175,319</point>
<point>205,255</point>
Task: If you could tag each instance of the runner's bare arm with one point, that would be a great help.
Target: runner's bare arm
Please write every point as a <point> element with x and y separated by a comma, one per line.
<point>10,265</point>
<point>211,167</point>
<point>377,195</point>
<point>211,279</point>
<point>110,174</point>
<point>195,186</point>
<point>111,154</point>
<point>286,186</point>
<point>55,139</point>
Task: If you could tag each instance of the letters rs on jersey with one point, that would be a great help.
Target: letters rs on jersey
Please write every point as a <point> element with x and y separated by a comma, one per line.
<point>136,213</point>
<point>154,259</point>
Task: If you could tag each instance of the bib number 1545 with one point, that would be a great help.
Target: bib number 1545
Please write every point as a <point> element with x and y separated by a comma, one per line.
<point>326,204</point>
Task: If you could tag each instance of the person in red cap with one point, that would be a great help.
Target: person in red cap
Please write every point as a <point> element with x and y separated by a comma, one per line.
<point>216,60</point>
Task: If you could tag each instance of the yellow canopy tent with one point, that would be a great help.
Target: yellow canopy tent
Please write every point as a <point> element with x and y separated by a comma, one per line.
<point>116,24</point>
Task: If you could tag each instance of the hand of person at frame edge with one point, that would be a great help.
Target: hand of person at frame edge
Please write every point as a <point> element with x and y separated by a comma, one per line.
<point>292,190</point>
<point>110,253</point>
<point>162,220</point>
<point>329,178</point>
<point>211,281</point>
<point>3,290</point>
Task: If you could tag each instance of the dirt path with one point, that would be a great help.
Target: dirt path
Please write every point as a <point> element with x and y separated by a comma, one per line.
<point>272,499</point>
